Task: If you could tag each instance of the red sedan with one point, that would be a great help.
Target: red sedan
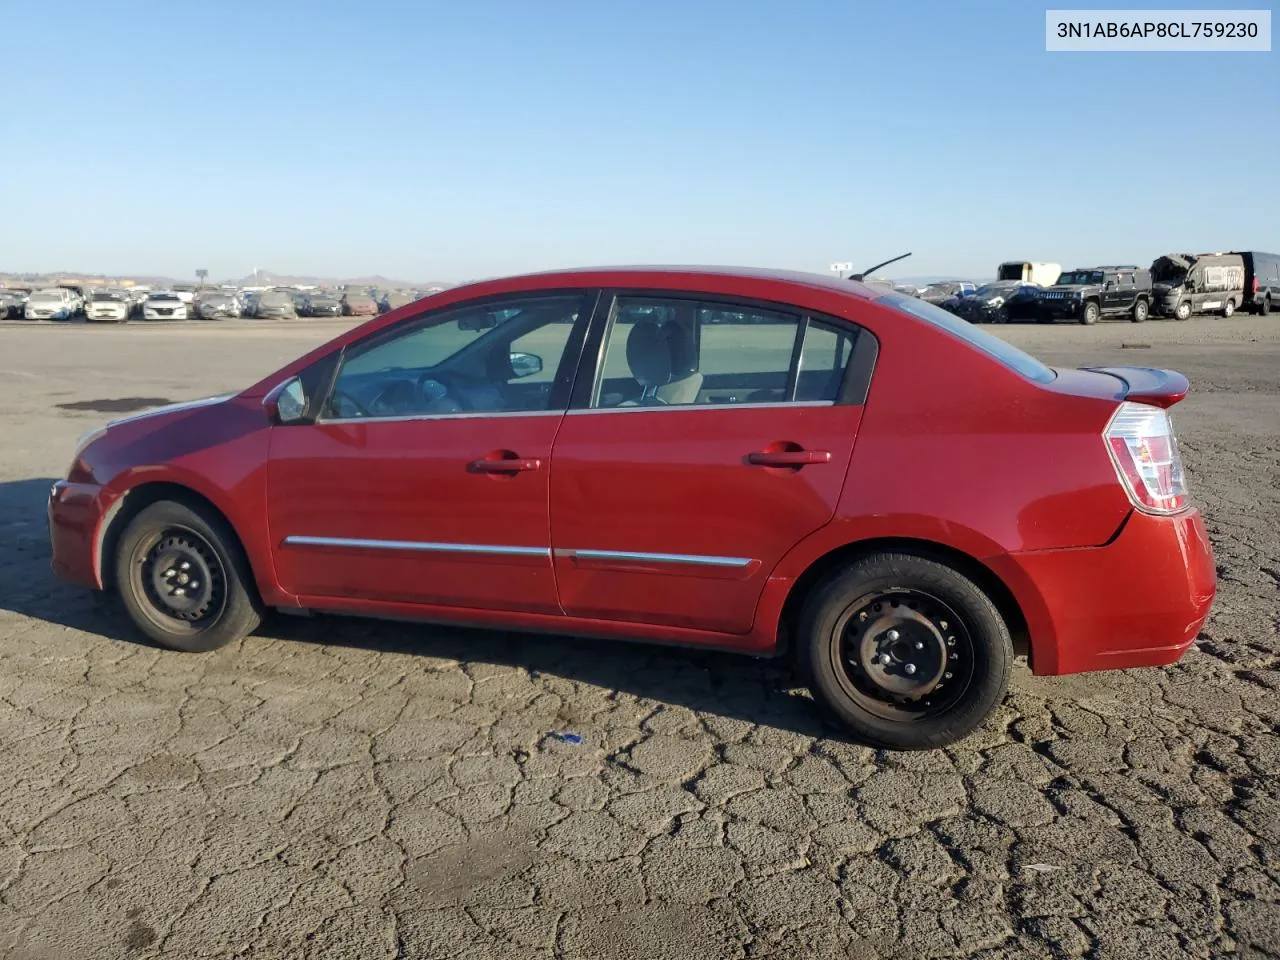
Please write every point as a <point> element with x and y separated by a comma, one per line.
<point>764,462</point>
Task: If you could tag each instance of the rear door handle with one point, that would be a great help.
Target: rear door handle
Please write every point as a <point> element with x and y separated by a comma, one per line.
<point>788,458</point>
<point>505,465</point>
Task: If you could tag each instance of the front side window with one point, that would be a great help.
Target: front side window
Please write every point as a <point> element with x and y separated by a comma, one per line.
<point>670,352</point>
<point>499,357</point>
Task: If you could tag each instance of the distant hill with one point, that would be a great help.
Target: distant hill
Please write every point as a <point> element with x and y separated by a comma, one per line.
<point>290,280</point>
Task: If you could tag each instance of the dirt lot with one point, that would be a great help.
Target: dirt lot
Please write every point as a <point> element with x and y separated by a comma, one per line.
<point>349,789</point>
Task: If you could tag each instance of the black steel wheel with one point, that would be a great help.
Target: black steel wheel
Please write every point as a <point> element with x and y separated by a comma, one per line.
<point>180,576</point>
<point>905,652</point>
<point>183,578</point>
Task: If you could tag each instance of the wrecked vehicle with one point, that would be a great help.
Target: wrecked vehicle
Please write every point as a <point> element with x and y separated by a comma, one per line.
<point>997,302</point>
<point>1187,283</point>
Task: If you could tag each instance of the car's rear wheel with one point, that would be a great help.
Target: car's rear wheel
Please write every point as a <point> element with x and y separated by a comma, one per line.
<point>1140,311</point>
<point>905,652</point>
<point>1089,313</point>
<point>1265,306</point>
<point>1228,309</point>
<point>183,579</point>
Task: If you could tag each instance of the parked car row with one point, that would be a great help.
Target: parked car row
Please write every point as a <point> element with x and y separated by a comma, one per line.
<point>1175,285</point>
<point>185,301</point>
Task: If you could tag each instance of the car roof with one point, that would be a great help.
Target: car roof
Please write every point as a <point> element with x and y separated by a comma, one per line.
<point>658,276</point>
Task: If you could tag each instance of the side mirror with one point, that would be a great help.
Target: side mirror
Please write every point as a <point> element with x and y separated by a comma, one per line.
<point>286,403</point>
<point>525,365</point>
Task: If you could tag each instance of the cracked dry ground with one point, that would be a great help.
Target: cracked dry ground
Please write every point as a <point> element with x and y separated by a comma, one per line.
<point>337,788</point>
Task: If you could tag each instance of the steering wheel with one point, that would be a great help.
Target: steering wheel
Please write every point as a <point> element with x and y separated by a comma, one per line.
<point>344,405</point>
<point>437,395</point>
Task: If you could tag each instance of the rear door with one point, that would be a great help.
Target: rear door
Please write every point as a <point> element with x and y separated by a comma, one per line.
<point>713,436</point>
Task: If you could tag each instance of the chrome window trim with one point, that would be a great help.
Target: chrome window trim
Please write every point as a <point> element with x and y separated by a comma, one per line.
<point>689,559</point>
<point>706,406</point>
<point>420,546</point>
<point>465,415</point>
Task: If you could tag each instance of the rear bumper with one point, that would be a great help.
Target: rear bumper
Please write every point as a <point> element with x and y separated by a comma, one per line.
<point>76,511</point>
<point>1137,602</point>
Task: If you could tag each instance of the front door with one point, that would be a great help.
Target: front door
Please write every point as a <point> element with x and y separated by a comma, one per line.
<point>425,478</point>
<point>714,438</point>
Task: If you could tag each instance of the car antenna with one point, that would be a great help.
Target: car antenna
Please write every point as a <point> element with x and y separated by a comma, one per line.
<point>863,274</point>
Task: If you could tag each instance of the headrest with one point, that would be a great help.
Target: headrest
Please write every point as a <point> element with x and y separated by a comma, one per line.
<point>659,353</point>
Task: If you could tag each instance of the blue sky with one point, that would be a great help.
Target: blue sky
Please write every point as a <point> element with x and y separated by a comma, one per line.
<point>449,141</point>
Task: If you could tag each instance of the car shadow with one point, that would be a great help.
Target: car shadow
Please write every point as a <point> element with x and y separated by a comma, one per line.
<point>756,691</point>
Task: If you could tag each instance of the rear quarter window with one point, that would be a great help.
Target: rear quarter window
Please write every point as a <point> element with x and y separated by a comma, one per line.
<point>1006,353</point>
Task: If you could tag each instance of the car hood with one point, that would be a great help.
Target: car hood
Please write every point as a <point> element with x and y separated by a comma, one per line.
<point>171,408</point>
<point>1066,287</point>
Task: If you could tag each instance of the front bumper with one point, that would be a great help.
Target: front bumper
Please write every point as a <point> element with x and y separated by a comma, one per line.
<point>1066,307</point>
<point>76,512</point>
<point>1139,601</point>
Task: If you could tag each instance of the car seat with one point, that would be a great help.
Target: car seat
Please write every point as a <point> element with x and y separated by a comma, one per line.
<point>662,359</point>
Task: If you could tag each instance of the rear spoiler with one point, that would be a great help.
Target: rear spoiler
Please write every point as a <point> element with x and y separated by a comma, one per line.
<point>1160,388</point>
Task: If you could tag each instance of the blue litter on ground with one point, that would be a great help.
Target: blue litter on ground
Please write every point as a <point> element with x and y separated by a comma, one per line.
<point>567,737</point>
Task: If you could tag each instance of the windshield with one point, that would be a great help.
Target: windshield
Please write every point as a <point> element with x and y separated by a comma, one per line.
<point>1078,278</point>
<point>996,289</point>
<point>272,297</point>
<point>1006,353</point>
<point>46,296</point>
<point>164,296</point>
<point>107,297</point>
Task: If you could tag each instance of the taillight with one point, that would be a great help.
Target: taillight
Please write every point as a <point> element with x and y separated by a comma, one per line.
<point>1145,453</point>
<point>1255,285</point>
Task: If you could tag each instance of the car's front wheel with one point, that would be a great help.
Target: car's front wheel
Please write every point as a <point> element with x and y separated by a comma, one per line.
<point>1089,313</point>
<point>905,652</point>
<point>183,578</point>
<point>1228,309</point>
<point>1183,310</point>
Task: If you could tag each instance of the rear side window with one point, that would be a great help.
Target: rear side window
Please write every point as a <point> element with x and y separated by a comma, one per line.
<point>671,352</point>
<point>991,345</point>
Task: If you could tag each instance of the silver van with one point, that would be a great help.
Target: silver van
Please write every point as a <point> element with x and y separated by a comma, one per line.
<point>1187,283</point>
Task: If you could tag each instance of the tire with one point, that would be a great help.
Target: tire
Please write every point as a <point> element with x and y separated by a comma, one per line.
<point>1265,307</point>
<point>1183,310</point>
<point>1228,309</point>
<point>962,632</point>
<point>168,533</point>
<point>1141,311</point>
<point>1089,313</point>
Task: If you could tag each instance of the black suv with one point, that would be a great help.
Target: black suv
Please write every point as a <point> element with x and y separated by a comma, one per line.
<point>1092,292</point>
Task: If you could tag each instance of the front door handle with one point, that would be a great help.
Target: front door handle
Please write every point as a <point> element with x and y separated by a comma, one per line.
<point>788,458</point>
<point>505,462</point>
